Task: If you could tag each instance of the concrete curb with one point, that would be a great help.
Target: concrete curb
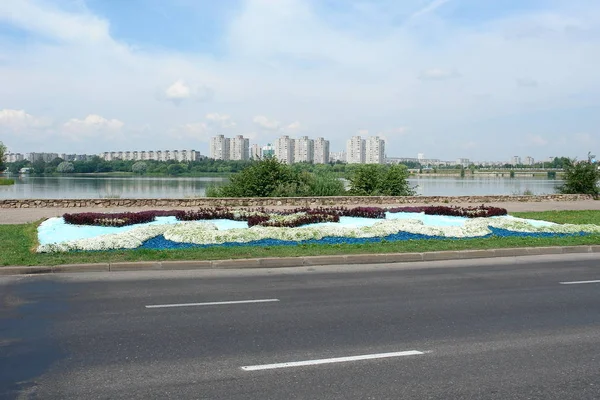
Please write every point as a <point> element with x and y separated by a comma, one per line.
<point>298,261</point>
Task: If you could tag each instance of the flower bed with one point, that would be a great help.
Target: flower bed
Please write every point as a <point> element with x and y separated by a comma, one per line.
<point>259,227</point>
<point>281,218</point>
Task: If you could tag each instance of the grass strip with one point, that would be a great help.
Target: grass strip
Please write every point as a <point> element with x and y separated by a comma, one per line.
<point>19,241</point>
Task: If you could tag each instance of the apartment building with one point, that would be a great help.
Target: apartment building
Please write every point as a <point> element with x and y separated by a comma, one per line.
<point>529,160</point>
<point>515,160</point>
<point>355,150</point>
<point>239,148</point>
<point>375,150</point>
<point>285,149</point>
<point>255,152</point>
<point>337,156</point>
<point>45,157</point>
<point>220,147</point>
<point>321,151</point>
<point>152,155</point>
<point>304,149</point>
<point>13,157</point>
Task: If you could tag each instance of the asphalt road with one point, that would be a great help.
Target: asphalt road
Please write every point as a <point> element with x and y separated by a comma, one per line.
<point>487,329</point>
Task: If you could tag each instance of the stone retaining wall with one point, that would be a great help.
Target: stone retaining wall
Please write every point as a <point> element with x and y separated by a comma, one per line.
<point>279,201</point>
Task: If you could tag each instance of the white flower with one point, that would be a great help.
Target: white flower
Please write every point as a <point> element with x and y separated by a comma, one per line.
<point>207,233</point>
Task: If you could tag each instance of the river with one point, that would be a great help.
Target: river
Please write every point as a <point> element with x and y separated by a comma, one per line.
<point>72,187</point>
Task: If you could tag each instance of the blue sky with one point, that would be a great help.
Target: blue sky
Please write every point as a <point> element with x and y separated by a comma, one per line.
<point>481,79</point>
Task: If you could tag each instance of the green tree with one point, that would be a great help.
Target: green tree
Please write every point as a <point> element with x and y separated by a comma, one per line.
<point>2,156</point>
<point>39,166</point>
<point>264,178</point>
<point>580,178</point>
<point>380,180</point>
<point>139,167</point>
<point>15,167</point>
<point>365,180</point>
<point>65,167</point>
<point>175,169</point>
<point>394,182</point>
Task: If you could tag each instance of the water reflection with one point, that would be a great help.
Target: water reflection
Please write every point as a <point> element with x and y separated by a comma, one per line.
<point>169,187</point>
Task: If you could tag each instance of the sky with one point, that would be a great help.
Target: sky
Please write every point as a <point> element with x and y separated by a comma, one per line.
<point>478,79</point>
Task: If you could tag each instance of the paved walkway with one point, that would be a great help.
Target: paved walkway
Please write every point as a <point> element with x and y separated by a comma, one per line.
<point>24,215</point>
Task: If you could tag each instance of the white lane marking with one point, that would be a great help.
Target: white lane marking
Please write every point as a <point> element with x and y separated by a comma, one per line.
<point>578,282</point>
<point>332,360</point>
<point>216,303</point>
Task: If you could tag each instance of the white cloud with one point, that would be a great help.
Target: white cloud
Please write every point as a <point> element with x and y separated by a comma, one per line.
<point>328,69</point>
<point>429,8</point>
<point>220,120</point>
<point>266,123</point>
<point>438,74</point>
<point>536,140</point>
<point>92,126</point>
<point>180,91</point>
<point>19,120</point>
<point>294,126</point>
<point>196,131</point>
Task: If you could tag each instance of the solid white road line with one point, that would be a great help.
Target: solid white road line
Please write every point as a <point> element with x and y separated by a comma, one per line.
<point>332,360</point>
<point>216,303</point>
<point>578,282</point>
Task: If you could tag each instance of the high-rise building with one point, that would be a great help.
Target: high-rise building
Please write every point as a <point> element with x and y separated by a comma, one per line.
<point>255,153</point>
<point>529,160</point>
<point>420,156</point>
<point>515,160</point>
<point>268,151</point>
<point>337,156</point>
<point>285,149</point>
<point>219,147</point>
<point>304,149</point>
<point>13,157</point>
<point>375,150</point>
<point>321,151</point>
<point>239,148</point>
<point>465,162</point>
<point>355,150</point>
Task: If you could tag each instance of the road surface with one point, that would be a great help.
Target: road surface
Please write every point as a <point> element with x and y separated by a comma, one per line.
<point>526,328</point>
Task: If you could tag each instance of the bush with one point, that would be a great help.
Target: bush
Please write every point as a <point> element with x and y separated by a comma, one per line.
<point>65,167</point>
<point>175,169</point>
<point>6,182</point>
<point>139,167</point>
<point>580,178</point>
<point>265,178</point>
<point>379,180</point>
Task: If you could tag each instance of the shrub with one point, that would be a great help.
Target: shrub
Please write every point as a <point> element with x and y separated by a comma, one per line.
<point>139,167</point>
<point>264,178</point>
<point>65,167</point>
<point>6,182</point>
<point>580,178</point>
<point>379,180</point>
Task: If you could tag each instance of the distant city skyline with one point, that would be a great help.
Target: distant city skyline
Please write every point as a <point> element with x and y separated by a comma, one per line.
<point>448,78</point>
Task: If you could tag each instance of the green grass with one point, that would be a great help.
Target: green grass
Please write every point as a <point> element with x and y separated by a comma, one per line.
<point>564,217</point>
<point>6,182</point>
<point>18,242</point>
